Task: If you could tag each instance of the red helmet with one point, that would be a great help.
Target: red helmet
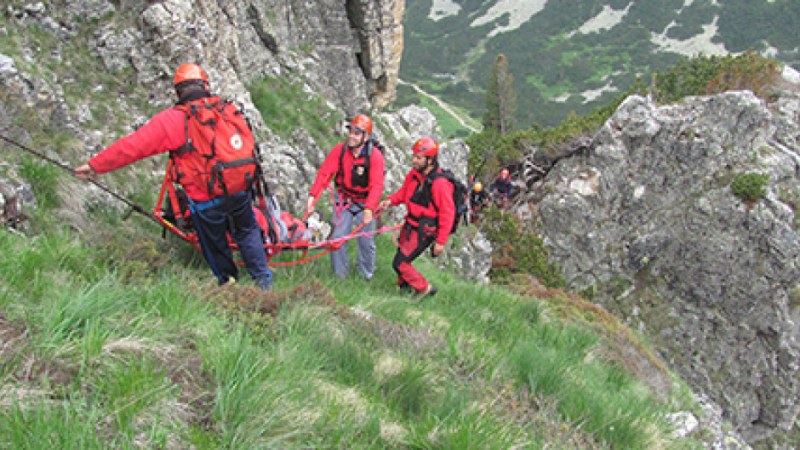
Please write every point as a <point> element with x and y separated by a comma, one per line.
<point>188,72</point>
<point>426,147</point>
<point>361,122</point>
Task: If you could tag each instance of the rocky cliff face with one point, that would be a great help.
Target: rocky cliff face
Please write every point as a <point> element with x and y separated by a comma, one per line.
<point>644,219</point>
<point>348,54</point>
<point>351,53</point>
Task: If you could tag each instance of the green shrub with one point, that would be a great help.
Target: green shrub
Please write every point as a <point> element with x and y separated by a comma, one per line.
<point>749,71</point>
<point>750,186</point>
<point>704,75</point>
<point>518,250</point>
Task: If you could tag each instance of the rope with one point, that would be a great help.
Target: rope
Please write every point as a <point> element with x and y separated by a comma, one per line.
<point>339,241</point>
<point>339,207</point>
<point>133,206</point>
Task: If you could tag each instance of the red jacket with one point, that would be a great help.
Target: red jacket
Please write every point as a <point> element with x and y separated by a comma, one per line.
<point>370,195</point>
<point>164,132</point>
<point>441,206</point>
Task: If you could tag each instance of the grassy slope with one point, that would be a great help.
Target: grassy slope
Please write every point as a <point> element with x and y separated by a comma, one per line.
<point>120,340</point>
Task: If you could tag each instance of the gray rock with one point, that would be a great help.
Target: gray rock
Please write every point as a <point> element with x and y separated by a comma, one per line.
<point>685,423</point>
<point>7,66</point>
<point>647,217</point>
<point>469,254</point>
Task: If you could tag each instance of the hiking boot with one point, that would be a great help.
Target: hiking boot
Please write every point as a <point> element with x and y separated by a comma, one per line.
<point>231,281</point>
<point>264,283</point>
<point>429,291</point>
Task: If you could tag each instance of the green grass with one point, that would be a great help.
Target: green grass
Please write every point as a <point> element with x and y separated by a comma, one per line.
<point>155,355</point>
<point>45,176</point>
<point>449,124</point>
<point>285,107</point>
<point>46,425</point>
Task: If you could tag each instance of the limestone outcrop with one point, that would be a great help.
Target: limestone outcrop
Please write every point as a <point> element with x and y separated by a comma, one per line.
<point>643,220</point>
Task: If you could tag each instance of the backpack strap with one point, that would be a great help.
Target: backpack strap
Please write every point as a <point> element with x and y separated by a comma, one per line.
<point>433,176</point>
<point>187,146</point>
<point>340,172</point>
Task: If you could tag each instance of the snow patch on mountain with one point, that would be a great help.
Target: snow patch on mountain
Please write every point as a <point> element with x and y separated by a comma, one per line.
<point>520,11</point>
<point>443,8</point>
<point>695,45</point>
<point>593,94</point>
<point>607,19</point>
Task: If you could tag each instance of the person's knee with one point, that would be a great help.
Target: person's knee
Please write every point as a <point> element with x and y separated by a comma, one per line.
<point>398,260</point>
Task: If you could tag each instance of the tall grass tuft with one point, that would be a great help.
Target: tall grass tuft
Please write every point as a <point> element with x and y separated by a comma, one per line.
<point>602,399</point>
<point>132,390</point>
<point>51,425</point>
<point>409,391</point>
<point>44,179</point>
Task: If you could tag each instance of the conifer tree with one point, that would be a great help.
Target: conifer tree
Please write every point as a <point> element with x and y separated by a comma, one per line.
<point>500,97</point>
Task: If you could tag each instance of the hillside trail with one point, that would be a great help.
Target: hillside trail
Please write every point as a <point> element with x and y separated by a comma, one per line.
<point>442,104</point>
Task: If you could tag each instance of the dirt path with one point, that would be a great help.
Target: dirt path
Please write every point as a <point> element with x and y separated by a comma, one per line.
<point>442,104</point>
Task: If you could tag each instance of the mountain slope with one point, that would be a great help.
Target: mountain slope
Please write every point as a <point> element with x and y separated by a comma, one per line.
<point>574,56</point>
<point>125,344</point>
<point>110,339</point>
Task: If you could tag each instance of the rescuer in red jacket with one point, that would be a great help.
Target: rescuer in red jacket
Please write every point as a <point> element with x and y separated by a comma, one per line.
<point>429,218</point>
<point>357,168</point>
<point>167,132</point>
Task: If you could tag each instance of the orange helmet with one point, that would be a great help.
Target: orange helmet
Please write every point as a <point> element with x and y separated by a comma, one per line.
<point>362,123</point>
<point>188,72</point>
<point>426,147</point>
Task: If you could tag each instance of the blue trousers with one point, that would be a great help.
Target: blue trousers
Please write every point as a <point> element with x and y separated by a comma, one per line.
<point>366,244</point>
<point>213,219</point>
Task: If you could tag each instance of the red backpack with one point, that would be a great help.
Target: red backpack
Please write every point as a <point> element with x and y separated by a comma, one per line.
<point>219,153</point>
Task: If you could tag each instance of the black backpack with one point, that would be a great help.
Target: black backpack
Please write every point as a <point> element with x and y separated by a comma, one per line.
<point>460,193</point>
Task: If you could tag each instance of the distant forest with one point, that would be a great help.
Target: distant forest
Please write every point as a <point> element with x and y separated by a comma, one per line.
<point>453,60</point>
